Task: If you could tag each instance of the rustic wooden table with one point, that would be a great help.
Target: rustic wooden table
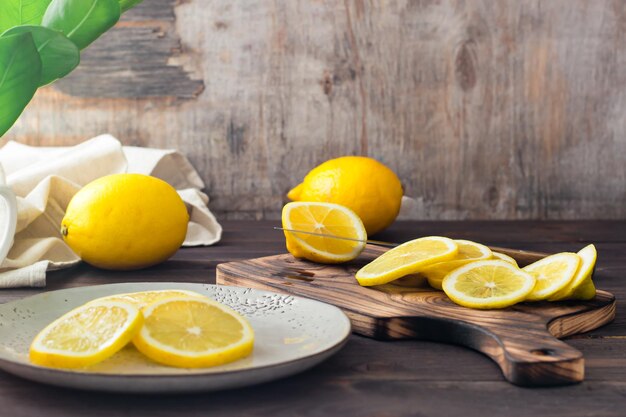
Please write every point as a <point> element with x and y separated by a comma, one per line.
<point>368,377</point>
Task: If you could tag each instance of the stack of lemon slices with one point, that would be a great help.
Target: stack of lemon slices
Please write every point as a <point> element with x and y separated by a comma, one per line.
<point>173,327</point>
<point>469,273</point>
<point>473,276</point>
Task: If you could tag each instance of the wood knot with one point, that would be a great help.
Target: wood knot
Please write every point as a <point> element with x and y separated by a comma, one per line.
<point>465,65</point>
<point>235,136</point>
<point>327,83</point>
<point>219,25</point>
<point>492,196</point>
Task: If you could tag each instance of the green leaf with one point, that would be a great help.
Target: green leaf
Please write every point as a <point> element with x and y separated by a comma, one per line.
<point>21,12</point>
<point>20,72</point>
<point>126,5</point>
<point>59,56</point>
<point>82,21</point>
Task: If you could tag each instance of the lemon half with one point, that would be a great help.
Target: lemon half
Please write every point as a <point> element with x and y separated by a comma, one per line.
<point>364,185</point>
<point>324,218</point>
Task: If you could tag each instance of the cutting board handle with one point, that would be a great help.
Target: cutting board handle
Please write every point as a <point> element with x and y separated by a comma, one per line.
<point>525,351</point>
<point>533,357</point>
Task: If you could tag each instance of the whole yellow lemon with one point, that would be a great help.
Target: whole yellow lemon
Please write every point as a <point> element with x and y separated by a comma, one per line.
<point>369,188</point>
<point>125,221</point>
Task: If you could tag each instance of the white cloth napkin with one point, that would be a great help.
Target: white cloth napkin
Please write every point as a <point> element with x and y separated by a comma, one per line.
<point>44,180</point>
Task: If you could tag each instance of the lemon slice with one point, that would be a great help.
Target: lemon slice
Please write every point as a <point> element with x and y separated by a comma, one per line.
<point>144,298</point>
<point>586,291</point>
<point>86,335</point>
<point>326,218</point>
<point>192,332</point>
<point>406,259</point>
<point>553,273</point>
<point>582,280</point>
<point>503,257</point>
<point>488,284</point>
<point>468,252</point>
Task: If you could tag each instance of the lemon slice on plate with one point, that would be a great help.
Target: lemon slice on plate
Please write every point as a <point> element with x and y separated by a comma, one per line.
<point>468,252</point>
<point>407,259</point>
<point>488,284</point>
<point>86,335</point>
<point>143,299</point>
<point>553,273</point>
<point>503,257</point>
<point>581,286</point>
<point>325,218</point>
<point>192,332</point>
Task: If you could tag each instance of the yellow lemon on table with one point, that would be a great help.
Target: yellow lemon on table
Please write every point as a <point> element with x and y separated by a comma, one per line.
<point>125,221</point>
<point>193,332</point>
<point>328,219</point>
<point>86,335</point>
<point>364,185</point>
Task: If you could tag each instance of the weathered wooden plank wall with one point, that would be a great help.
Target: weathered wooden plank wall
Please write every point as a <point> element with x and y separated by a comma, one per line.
<point>486,109</point>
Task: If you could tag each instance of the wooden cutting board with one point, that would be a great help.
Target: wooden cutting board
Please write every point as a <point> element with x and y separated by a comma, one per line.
<point>523,340</point>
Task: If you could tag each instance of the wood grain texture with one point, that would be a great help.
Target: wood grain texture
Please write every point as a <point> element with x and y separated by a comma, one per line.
<point>487,110</point>
<point>522,340</point>
<point>368,377</point>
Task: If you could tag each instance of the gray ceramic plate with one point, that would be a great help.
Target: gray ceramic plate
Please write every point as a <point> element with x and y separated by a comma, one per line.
<point>291,334</point>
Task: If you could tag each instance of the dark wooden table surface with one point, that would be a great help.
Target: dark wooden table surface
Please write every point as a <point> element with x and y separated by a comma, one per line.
<point>368,377</point>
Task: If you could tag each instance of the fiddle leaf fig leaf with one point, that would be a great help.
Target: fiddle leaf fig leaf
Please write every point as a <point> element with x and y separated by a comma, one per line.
<point>126,5</point>
<point>59,56</point>
<point>20,73</point>
<point>82,21</point>
<point>21,12</point>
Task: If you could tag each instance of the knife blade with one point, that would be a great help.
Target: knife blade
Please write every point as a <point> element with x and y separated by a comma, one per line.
<point>368,241</point>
